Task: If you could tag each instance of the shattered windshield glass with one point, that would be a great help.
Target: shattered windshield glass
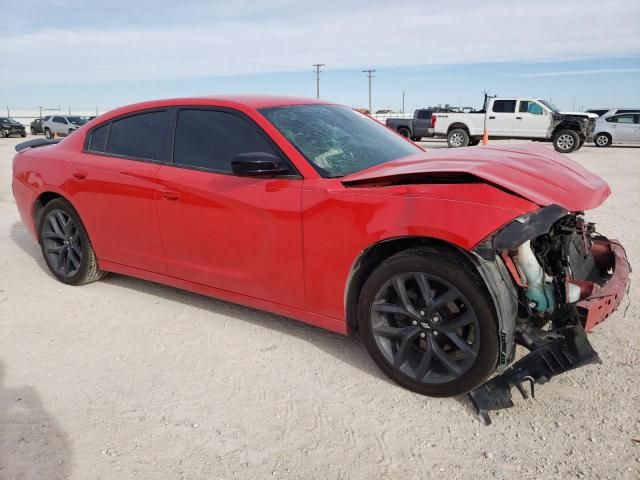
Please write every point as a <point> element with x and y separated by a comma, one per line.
<point>337,140</point>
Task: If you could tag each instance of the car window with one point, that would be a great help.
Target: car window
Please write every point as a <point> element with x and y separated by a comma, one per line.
<point>424,114</point>
<point>59,120</point>
<point>98,139</point>
<point>46,119</point>
<point>623,118</point>
<point>210,139</point>
<point>337,140</point>
<point>628,110</point>
<point>598,112</point>
<point>504,106</point>
<point>527,106</point>
<point>140,136</point>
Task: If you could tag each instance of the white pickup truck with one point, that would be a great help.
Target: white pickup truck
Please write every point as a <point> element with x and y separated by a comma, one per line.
<point>523,118</point>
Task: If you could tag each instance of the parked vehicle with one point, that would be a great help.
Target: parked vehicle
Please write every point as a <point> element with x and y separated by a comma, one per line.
<point>36,126</point>
<point>8,127</point>
<point>620,128</point>
<point>443,260</point>
<point>523,118</point>
<point>62,125</point>
<point>414,128</point>
<point>607,112</point>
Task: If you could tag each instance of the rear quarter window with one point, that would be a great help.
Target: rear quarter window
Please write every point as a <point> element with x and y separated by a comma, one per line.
<point>141,136</point>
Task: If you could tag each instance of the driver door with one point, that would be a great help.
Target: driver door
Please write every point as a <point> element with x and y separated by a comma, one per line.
<point>238,234</point>
<point>532,120</point>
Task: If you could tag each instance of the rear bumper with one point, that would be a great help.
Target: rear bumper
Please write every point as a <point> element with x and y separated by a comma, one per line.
<point>601,301</point>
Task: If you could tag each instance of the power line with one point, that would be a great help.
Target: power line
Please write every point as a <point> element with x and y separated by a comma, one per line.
<point>318,65</point>
<point>370,75</point>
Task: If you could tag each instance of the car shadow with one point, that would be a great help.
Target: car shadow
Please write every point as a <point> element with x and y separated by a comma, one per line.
<point>32,444</point>
<point>348,349</point>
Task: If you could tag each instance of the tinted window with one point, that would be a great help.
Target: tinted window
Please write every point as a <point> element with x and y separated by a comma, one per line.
<point>140,136</point>
<point>98,140</point>
<point>59,120</point>
<point>210,139</point>
<point>424,114</point>
<point>628,110</point>
<point>504,106</point>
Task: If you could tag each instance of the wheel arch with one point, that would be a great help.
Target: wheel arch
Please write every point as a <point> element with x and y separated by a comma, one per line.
<point>372,256</point>
<point>42,200</point>
<point>461,125</point>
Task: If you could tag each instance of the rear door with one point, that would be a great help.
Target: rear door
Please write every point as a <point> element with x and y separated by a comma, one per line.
<point>625,128</point>
<point>113,183</point>
<point>501,118</point>
<point>239,234</point>
<point>422,124</point>
<point>531,120</point>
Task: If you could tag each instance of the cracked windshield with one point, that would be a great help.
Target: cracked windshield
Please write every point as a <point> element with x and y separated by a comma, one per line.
<point>337,140</point>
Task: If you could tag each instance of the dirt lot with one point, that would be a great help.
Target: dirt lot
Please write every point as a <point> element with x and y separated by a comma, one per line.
<point>127,379</point>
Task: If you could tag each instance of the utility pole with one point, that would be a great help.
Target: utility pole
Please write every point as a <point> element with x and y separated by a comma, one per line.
<point>318,66</point>
<point>403,100</point>
<point>370,75</point>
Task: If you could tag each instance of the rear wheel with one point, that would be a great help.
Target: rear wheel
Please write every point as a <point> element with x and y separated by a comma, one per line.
<point>566,141</point>
<point>602,140</point>
<point>65,245</point>
<point>428,322</point>
<point>458,138</point>
<point>405,132</point>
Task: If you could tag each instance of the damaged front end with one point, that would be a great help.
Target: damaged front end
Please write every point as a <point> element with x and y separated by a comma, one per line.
<point>566,279</point>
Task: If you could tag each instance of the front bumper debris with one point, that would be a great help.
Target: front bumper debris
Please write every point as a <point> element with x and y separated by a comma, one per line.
<point>566,347</point>
<point>571,349</point>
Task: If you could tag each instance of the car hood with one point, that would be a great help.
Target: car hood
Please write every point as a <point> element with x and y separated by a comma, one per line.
<point>581,114</point>
<point>534,172</point>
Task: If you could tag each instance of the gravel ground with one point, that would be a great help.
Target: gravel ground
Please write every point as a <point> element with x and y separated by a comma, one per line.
<point>128,379</point>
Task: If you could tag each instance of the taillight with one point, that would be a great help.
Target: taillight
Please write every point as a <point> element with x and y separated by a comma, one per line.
<point>433,121</point>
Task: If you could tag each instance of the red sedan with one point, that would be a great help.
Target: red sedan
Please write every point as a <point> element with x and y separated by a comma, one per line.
<point>443,261</point>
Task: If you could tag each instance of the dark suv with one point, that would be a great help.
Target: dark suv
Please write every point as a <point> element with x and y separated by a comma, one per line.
<point>8,127</point>
<point>36,126</point>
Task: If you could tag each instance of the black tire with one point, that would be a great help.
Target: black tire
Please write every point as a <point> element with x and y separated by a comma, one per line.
<point>458,137</point>
<point>580,144</point>
<point>23,134</point>
<point>443,267</point>
<point>405,132</point>
<point>67,251</point>
<point>47,133</point>
<point>602,140</point>
<point>566,141</point>
<point>473,142</point>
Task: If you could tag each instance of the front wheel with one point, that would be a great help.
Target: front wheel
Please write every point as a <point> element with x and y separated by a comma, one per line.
<point>457,138</point>
<point>65,245</point>
<point>566,141</point>
<point>602,140</point>
<point>428,322</point>
<point>47,133</point>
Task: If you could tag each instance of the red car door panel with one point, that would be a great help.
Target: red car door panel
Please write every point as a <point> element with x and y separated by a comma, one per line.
<point>116,199</point>
<point>238,234</point>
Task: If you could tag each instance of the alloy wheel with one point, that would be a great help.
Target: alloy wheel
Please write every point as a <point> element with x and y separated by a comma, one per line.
<point>425,328</point>
<point>457,140</point>
<point>565,141</point>
<point>62,243</point>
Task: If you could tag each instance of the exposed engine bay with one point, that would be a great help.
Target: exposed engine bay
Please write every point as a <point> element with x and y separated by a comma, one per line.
<point>568,278</point>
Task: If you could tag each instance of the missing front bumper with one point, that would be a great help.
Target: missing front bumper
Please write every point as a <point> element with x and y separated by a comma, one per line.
<point>566,347</point>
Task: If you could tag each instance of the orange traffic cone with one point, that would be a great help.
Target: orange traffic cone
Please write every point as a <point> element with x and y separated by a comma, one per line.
<point>485,137</point>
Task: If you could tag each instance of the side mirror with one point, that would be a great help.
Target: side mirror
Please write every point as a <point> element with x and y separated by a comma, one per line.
<point>257,164</point>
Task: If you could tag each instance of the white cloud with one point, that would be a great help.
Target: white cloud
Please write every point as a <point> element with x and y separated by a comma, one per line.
<point>203,39</point>
<point>563,73</point>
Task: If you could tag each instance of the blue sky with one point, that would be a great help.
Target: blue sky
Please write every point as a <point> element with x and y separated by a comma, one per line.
<point>105,54</point>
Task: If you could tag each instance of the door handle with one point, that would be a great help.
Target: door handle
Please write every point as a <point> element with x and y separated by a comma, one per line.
<point>80,174</point>
<point>492,118</point>
<point>518,118</point>
<point>170,195</point>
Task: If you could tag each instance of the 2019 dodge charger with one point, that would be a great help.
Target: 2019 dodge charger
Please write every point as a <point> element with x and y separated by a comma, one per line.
<point>444,261</point>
